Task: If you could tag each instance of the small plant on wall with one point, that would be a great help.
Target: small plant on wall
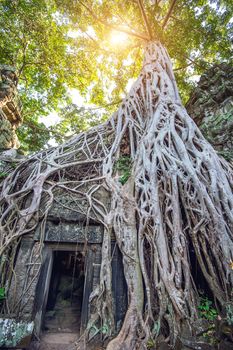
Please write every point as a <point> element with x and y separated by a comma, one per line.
<point>124,166</point>
<point>2,295</point>
<point>206,310</point>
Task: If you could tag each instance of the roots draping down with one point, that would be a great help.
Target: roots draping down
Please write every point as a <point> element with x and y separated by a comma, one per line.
<point>176,193</point>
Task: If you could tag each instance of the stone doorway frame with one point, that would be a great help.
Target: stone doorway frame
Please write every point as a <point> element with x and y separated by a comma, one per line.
<point>42,289</point>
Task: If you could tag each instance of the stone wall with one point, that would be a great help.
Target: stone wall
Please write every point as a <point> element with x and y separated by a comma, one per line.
<point>10,108</point>
<point>211,107</point>
<point>10,119</point>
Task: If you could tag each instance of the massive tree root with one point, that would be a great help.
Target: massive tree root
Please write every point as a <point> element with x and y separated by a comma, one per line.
<point>176,194</point>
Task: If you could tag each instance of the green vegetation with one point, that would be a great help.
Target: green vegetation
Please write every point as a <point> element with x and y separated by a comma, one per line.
<point>104,330</point>
<point>172,208</point>
<point>2,293</point>
<point>150,344</point>
<point>206,310</point>
<point>3,174</point>
<point>74,120</point>
<point>217,128</point>
<point>60,45</point>
<point>124,165</point>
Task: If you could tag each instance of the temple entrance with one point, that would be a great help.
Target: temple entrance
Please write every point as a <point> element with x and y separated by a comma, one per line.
<point>68,274</point>
<point>64,303</point>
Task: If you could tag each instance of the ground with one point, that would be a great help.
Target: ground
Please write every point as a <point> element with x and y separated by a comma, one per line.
<point>61,341</point>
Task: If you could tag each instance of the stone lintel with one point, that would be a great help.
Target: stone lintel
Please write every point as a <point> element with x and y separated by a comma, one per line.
<point>71,232</point>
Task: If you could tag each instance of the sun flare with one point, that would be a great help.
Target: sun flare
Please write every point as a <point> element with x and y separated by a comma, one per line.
<point>118,38</point>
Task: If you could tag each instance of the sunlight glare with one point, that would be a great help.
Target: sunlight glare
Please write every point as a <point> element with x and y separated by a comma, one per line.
<point>118,38</point>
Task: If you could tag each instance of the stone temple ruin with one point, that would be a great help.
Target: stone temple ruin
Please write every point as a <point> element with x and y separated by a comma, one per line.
<point>50,288</point>
<point>10,119</point>
<point>211,107</point>
<point>10,108</point>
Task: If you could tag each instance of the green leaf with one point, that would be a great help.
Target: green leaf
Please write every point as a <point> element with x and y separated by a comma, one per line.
<point>2,293</point>
<point>59,45</point>
<point>105,329</point>
<point>206,310</point>
<point>3,174</point>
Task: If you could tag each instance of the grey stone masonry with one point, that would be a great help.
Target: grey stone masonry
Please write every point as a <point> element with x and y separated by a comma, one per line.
<point>10,120</point>
<point>10,108</point>
<point>70,232</point>
<point>22,289</point>
<point>211,107</point>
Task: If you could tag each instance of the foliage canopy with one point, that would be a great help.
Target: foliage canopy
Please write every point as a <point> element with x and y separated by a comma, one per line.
<point>167,191</point>
<point>58,45</point>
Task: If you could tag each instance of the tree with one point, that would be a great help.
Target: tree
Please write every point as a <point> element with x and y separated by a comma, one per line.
<point>59,44</point>
<point>170,194</point>
<point>35,40</point>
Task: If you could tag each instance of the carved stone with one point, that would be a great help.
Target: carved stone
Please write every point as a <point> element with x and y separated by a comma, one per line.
<point>10,119</point>
<point>211,107</point>
<point>10,108</point>
<point>71,232</point>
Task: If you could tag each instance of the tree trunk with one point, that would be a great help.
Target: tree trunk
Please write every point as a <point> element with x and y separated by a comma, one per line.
<point>183,197</point>
<point>176,202</point>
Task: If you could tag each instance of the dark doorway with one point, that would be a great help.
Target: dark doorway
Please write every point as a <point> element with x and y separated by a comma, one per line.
<point>64,305</point>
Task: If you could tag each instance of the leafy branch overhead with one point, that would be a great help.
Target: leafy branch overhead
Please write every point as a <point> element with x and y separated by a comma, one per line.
<point>61,45</point>
<point>153,182</point>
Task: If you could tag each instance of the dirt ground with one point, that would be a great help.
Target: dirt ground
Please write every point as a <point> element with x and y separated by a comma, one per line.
<point>62,341</point>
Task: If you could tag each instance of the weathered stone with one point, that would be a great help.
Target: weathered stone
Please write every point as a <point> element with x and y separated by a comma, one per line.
<point>9,159</point>
<point>10,119</point>
<point>201,326</point>
<point>163,346</point>
<point>196,345</point>
<point>22,289</point>
<point>225,345</point>
<point>211,107</point>
<point>71,232</point>
<point>10,108</point>
<point>7,135</point>
<point>15,334</point>
<point>67,208</point>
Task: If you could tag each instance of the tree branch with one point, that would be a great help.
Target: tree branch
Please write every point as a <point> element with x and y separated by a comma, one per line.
<point>123,30</point>
<point>25,46</point>
<point>140,5</point>
<point>168,15</point>
<point>183,67</point>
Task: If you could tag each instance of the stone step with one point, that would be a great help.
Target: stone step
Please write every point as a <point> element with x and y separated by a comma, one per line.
<point>61,341</point>
<point>61,325</point>
<point>63,313</point>
<point>70,310</point>
<point>61,307</point>
<point>59,338</point>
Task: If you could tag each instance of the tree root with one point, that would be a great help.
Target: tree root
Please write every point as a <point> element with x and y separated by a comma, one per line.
<point>178,194</point>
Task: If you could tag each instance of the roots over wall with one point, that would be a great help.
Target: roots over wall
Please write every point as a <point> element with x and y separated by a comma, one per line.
<point>168,191</point>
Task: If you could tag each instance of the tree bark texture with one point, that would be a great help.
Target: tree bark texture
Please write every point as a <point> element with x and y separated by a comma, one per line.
<point>177,196</point>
